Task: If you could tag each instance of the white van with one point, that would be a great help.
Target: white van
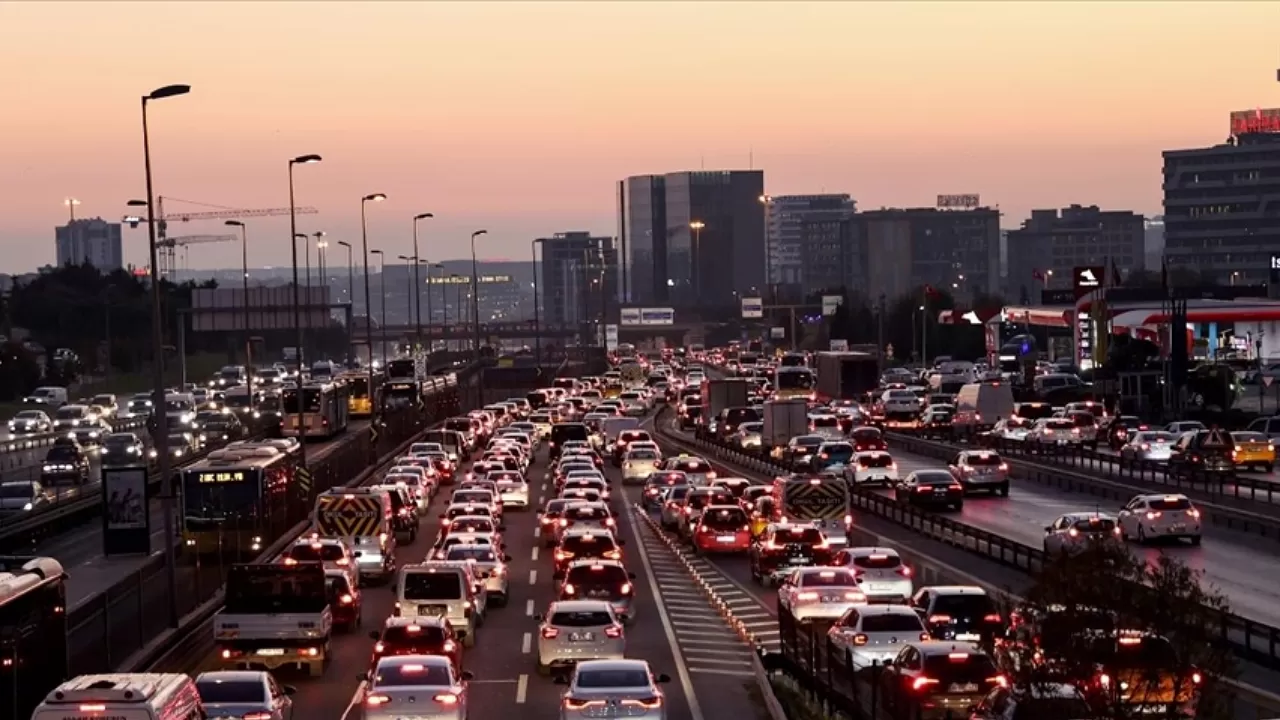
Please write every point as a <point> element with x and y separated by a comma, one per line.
<point>128,696</point>
<point>48,396</point>
<point>979,406</point>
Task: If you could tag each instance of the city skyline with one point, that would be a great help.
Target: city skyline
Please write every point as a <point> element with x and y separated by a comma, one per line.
<point>523,138</point>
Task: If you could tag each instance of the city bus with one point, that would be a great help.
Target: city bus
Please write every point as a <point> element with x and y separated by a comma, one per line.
<point>792,382</point>
<point>319,410</point>
<point>404,368</point>
<point>236,497</point>
<point>360,399</point>
<point>401,393</point>
<point>33,644</point>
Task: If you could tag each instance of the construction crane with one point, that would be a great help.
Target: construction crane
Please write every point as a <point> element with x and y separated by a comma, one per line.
<point>172,244</point>
<point>166,250</point>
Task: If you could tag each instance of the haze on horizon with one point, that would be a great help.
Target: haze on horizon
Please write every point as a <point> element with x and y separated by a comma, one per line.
<point>521,117</point>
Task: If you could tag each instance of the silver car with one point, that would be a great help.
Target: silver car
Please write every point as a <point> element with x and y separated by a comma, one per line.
<point>981,471</point>
<point>875,633</point>
<point>600,579</point>
<point>1075,532</point>
<point>424,687</point>
<point>672,505</point>
<point>1153,445</point>
<point>1052,432</point>
<point>749,435</point>
<point>820,593</point>
<point>1151,517</point>
<point>613,689</point>
<point>880,573</point>
<point>638,465</point>
<point>1012,429</point>
<point>243,694</point>
<point>572,631</point>
<point>490,568</point>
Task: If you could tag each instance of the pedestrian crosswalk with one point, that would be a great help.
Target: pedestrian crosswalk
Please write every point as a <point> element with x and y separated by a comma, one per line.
<point>706,642</point>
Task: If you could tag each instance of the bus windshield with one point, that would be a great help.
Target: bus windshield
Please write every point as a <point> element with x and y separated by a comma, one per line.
<point>310,400</point>
<point>219,500</point>
<point>795,380</point>
<point>359,387</point>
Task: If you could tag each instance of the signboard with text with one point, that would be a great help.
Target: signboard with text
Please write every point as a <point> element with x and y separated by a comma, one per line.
<point>953,202</point>
<point>752,307</point>
<point>1086,279</point>
<point>610,337</point>
<point>830,303</point>
<point>466,279</point>
<point>647,316</point>
<point>1259,120</point>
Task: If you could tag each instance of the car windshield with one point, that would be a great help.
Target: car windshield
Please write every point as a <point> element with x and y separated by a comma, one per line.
<point>934,478</point>
<point>322,552</point>
<point>829,578</point>
<point>586,513</point>
<point>824,421</point>
<point>612,678</point>
<point>29,415</point>
<point>838,452</point>
<point>432,586</point>
<point>730,518</point>
<point>1170,503</point>
<point>581,618</point>
<point>864,435</point>
<point>1094,525</point>
<point>960,669</point>
<point>891,622</point>
<point>16,490</point>
<point>427,638</point>
<point>478,553</point>
<point>596,577</point>
<point>642,455</point>
<point>1153,437</point>
<point>963,605</point>
<point>984,460</point>
<point>588,544</point>
<point>875,461</point>
<point>232,692</point>
<point>407,675</point>
<point>62,452</point>
<point>807,535</point>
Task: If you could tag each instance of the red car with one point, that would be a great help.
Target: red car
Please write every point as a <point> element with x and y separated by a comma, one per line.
<point>345,601</point>
<point>416,636</point>
<point>722,528</point>
<point>865,439</point>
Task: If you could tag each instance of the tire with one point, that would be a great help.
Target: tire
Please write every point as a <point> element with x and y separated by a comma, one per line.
<point>469,641</point>
<point>1004,490</point>
<point>1269,467</point>
<point>1195,541</point>
<point>1142,535</point>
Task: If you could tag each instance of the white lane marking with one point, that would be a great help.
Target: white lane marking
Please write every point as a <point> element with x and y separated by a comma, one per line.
<point>717,661</point>
<point>762,632</point>
<point>738,651</point>
<point>704,633</point>
<point>717,671</point>
<point>685,593</point>
<point>533,577</point>
<point>355,700</point>
<point>535,553</point>
<point>752,615</point>
<point>542,487</point>
<point>526,644</point>
<point>528,608</point>
<point>682,671</point>
<point>740,601</point>
<point>522,689</point>
<point>699,641</point>
<point>537,532</point>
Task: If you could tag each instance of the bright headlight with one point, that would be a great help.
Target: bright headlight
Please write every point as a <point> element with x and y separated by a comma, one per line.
<point>28,506</point>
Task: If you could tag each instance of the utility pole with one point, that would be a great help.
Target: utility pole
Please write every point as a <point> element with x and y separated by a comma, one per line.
<point>880,330</point>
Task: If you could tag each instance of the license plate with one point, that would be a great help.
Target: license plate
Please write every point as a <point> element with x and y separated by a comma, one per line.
<point>272,652</point>
<point>433,609</point>
<point>725,538</point>
<point>968,637</point>
<point>965,688</point>
<point>880,587</point>
<point>1179,528</point>
<point>1062,442</point>
<point>582,637</point>
<point>829,599</point>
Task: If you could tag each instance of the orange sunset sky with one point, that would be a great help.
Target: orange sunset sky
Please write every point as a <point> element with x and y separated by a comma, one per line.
<point>520,117</point>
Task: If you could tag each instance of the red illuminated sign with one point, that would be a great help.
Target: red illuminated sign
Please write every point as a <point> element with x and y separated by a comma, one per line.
<point>1255,121</point>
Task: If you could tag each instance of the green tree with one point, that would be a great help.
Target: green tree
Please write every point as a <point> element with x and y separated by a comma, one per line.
<point>19,371</point>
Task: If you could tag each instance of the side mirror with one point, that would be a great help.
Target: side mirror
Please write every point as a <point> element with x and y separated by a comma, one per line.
<point>442,516</point>
<point>357,554</point>
<point>621,542</point>
<point>538,617</point>
<point>289,690</point>
<point>375,635</point>
<point>468,675</point>
<point>1048,528</point>
<point>506,558</point>
<point>663,678</point>
<point>562,680</point>
<point>631,576</point>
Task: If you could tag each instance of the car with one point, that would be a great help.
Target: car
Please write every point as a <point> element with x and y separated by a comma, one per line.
<point>576,545</point>
<point>1014,429</point>
<point>872,467</point>
<point>513,489</point>
<point>1254,450</point>
<point>695,502</point>
<point>639,464</point>
<point>331,552</point>
<point>627,684</point>
<point>781,548</point>
<point>867,438</point>
<point>958,612</point>
<point>90,433</point>
<point>654,486</point>
<point>799,450</point>
<point>445,589</point>
<point>490,567</point>
<point>698,472</point>
<point>930,489</point>
<point>584,515</point>
<point>30,421</point>
<point>123,448</point>
<point>880,573</point>
<point>820,593</point>
<point>573,631</point>
<point>981,471</point>
<point>1033,702</point>
<point>721,528</point>
<point>420,635</point>
<point>1148,445</point>
<point>933,679</point>
<point>874,634</point>
<point>23,496</point>
<point>65,462</point>
<point>1156,517</point>
<point>416,686</point>
<point>1074,533</point>
<point>596,579</point>
<point>345,600</point>
<point>244,694</point>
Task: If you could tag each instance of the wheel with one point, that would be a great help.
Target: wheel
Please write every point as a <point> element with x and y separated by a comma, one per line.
<point>1269,467</point>
<point>1142,535</point>
<point>1004,490</point>
<point>1195,541</point>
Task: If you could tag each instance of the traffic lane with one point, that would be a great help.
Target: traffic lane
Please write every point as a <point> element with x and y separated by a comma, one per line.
<point>14,464</point>
<point>80,549</point>
<point>332,695</point>
<point>1243,572</point>
<point>1268,494</point>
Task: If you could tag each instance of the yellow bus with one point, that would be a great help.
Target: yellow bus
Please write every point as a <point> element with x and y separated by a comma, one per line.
<point>360,401</point>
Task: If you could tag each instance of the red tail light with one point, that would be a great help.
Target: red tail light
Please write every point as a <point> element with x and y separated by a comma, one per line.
<point>346,599</point>
<point>626,589</point>
<point>937,619</point>
<point>992,618</point>
<point>550,633</point>
<point>376,700</point>
<point>904,571</point>
<point>613,631</point>
<point>569,589</point>
<point>921,683</point>
<point>860,639</point>
<point>446,699</point>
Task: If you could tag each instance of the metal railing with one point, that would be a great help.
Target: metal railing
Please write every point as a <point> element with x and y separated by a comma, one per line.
<point>36,441</point>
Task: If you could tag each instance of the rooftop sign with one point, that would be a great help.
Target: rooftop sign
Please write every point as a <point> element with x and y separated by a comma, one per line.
<point>1259,120</point>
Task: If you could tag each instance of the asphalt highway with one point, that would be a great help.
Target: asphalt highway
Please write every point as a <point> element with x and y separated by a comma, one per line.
<point>934,563</point>
<point>80,550</point>
<point>506,681</point>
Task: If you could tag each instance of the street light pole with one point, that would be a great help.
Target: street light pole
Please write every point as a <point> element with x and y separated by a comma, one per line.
<point>351,299</point>
<point>475,290</point>
<point>695,267</point>
<point>319,236</point>
<point>368,308</point>
<point>767,201</point>
<point>537,288</point>
<point>417,286</point>
<point>382,286</point>
<point>306,258</point>
<point>410,282</point>
<point>297,305</point>
<point>431,316</point>
<point>157,362</point>
<point>248,339</point>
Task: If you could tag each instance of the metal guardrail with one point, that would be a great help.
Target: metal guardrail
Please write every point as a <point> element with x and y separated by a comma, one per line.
<point>1250,640</point>
<point>1120,484</point>
<point>130,620</point>
<point>42,440</point>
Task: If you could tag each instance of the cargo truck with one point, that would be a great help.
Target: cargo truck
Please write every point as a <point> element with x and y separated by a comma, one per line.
<point>846,375</point>
<point>718,395</point>
<point>783,420</point>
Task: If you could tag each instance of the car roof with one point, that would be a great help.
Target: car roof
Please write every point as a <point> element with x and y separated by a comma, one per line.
<point>865,610</point>
<point>234,675</point>
<point>955,589</point>
<point>428,660</point>
<point>607,665</point>
<point>940,647</point>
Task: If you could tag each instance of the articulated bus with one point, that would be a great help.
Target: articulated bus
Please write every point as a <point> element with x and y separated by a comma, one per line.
<point>33,643</point>
<point>792,382</point>
<point>319,410</point>
<point>361,399</point>
<point>236,497</point>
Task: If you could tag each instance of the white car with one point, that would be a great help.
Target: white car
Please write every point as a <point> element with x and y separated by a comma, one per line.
<point>1012,429</point>
<point>817,593</point>
<point>572,631</point>
<point>633,403</point>
<point>875,633</point>
<point>894,403</point>
<point>880,572</point>
<point>426,686</point>
<point>1152,517</point>
<point>490,567</point>
<point>1073,533</point>
<point>627,687</point>
<point>639,464</point>
<point>872,467</point>
<point>513,491</point>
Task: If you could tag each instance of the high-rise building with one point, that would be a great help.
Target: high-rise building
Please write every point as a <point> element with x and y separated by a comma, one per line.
<point>1153,241</point>
<point>1220,204</point>
<point>692,239</point>
<point>1051,242</point>
<point>953,250</point>
<point>807,236</point>
<point>577,278</point>
<point>91,240</point>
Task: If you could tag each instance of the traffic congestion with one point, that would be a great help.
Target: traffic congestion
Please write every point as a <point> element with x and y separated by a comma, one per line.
<point>525,557</point>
